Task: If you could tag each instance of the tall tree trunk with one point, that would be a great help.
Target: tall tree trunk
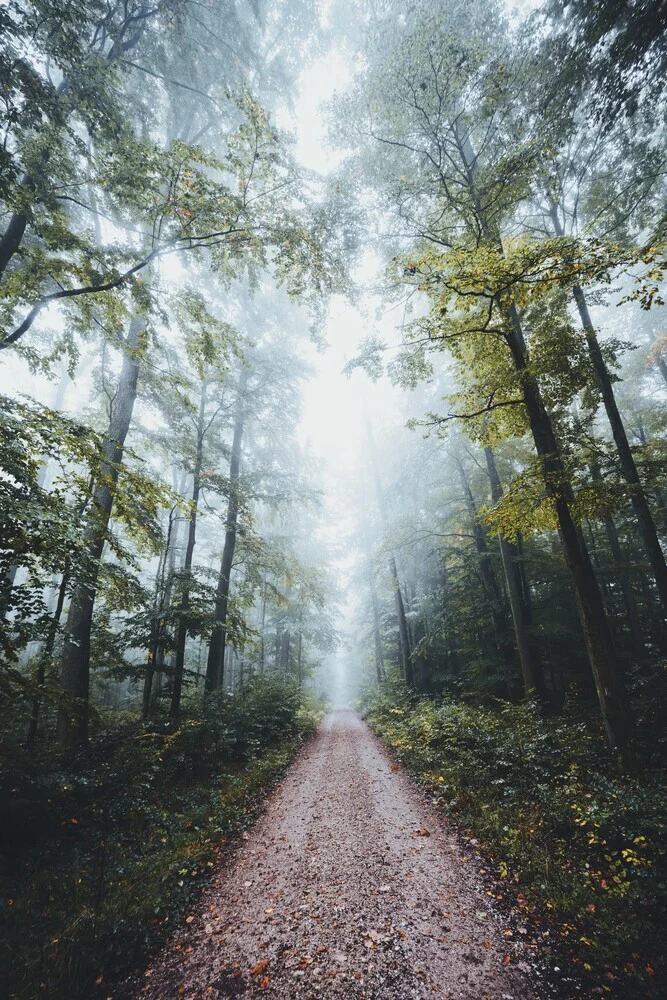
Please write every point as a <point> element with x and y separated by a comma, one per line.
<point>533,682</point>
<point>299,652</point>
<point>284,651</point>
<point>184,608</point>
<point>161,603</point>
<point>625,457</point>
<point>13,235</point>
<point>262,630</point>
<point>216,651</point>
<point>659,358</point>
<point>45,657</point>
<point>380,672</point>
<point>614,708</point>
<point>72,724</point>
<point>624,580</point>
<point>486,569</point>
<point>404,636</point>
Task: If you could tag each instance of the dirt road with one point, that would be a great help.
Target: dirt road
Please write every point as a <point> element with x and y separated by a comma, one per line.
<point>346,887</point>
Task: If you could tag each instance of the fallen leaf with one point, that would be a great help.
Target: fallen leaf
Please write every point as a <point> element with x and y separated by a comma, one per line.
<point>261,965</point>
<point>264,982</point>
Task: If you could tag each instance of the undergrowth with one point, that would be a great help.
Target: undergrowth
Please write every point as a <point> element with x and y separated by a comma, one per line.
<point>577,839</point>
<point>103,854</point>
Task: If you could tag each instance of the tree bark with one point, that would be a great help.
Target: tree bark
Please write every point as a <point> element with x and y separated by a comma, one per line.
<point>184,609</point>
<point>486,569</point>
<point>403,634</point>
<point>533,682</point>
<point>284,651</point>
<point>626,459</point>
<point>624,580</point>
<point>380,672</point>
<point>72,724</point>
<point>162,599</point>
<point>13,235</point>
<point>216,653</point>
<point>614,706</point>
<point>44,659</point>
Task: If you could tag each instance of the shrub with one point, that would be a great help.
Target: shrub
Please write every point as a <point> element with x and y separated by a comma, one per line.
<point>102,854</point>
<point>546,798</point>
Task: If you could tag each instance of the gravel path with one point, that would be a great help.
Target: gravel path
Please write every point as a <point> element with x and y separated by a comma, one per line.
<point>346,887</point>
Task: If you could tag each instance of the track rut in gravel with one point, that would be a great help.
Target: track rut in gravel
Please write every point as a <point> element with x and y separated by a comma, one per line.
<point>348,886</point>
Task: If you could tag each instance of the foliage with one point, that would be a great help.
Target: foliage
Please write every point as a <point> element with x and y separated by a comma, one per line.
<point>102,855</point>
<point>571,835</point>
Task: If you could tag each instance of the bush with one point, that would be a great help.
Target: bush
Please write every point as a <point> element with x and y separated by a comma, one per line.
<point>102,855</point>
<point>576,836</point>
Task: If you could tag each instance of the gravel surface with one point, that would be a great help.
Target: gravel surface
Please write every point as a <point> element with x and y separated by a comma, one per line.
<point>348,886</point>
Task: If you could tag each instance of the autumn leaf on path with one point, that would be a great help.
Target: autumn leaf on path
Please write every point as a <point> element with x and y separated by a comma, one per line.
<point>260,967</point>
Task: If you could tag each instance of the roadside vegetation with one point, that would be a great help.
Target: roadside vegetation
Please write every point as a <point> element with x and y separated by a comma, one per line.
<point>578,842</point>
<point>103,854</point>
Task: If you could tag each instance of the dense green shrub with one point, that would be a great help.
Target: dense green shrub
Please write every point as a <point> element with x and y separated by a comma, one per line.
<point>102,853</point>
<point>574,834</point>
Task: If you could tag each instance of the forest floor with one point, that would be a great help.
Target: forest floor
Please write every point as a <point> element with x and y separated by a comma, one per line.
<point>348,886</point>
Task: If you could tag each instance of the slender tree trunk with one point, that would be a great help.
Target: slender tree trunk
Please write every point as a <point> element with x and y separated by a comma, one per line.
<point>72,725</point>
<point>624,580</point>
<point>380,672</point>
<point>626,459</point>
<point>659,359</point>
<point>163,597</point>
<point>611,694</point>
<point>404,636</point>
<point>184,610</point>
<point>533,682</point>
<point>216,652</point>
<point>45,657</point>
<point>284,651</point>
<point>13,235</point>
<point>614,708</point>
<point>299,652</point>
<point>487,571</point>
<point>263,627</point>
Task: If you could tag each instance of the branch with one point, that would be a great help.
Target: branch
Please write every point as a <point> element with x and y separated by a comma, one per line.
<point>485,409</point>
<point>185,243</point>
<point>68,293</point>
<point>175,83</point>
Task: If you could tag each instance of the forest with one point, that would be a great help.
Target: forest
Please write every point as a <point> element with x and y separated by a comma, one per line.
<point>333,361</point>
